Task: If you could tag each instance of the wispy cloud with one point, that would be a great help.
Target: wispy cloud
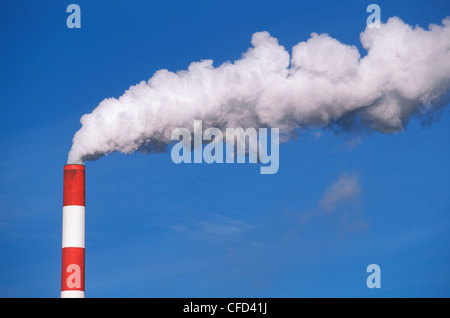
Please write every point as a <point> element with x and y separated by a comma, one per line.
<point>213,227</point>
<point>345,190</point>
<point>349,143</point>
<point>341,201</point>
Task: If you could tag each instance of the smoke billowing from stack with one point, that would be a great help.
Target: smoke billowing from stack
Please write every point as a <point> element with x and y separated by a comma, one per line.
<point>321,83</point>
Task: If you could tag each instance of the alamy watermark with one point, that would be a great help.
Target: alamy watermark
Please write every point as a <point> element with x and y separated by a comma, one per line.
<point>239,144</point>
<point>374,279</point>
<point>74,19</point>
<point>374,19</point>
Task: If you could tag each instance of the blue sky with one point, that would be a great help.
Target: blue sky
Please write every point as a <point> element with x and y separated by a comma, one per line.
<point>157,229</point>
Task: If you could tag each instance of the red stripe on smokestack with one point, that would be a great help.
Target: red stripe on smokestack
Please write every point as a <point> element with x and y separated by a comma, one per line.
<point>73,185</point>
<point>73,249</point>
<point>72,269</point>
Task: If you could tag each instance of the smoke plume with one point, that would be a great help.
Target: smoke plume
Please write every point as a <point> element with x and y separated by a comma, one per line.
<point>321,83</point>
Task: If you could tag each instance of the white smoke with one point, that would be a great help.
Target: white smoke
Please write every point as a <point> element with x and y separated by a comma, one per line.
<point>322,83</point>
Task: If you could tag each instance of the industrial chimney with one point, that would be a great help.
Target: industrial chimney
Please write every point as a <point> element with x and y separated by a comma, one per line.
<point>72,276</point>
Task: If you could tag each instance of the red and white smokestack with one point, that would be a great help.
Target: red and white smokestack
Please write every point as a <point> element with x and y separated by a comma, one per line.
<point>72,278</point>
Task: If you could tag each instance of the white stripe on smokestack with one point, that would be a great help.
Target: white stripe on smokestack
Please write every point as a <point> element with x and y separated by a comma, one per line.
<point>73,238</point>
<point>73,226</point>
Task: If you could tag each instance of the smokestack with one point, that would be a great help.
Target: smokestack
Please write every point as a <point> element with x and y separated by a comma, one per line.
<point>72,276</point>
